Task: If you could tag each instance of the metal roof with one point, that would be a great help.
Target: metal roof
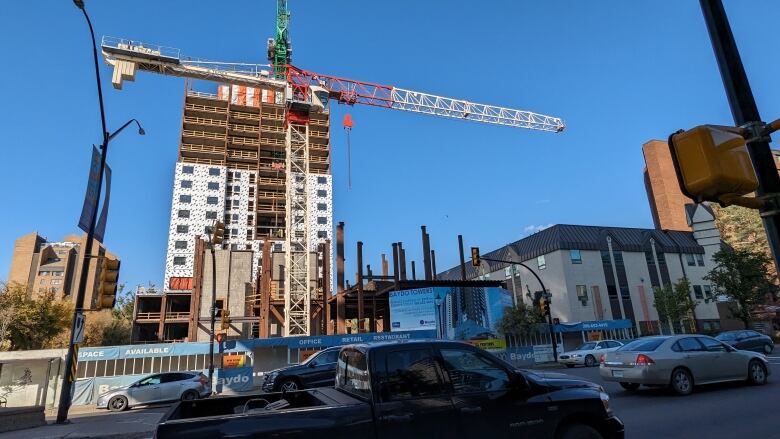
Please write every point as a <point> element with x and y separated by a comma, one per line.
<point>576,237</point>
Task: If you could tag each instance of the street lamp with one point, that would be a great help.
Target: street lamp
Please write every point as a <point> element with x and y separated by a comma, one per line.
<point>439,328</point>
<point>70,360</point>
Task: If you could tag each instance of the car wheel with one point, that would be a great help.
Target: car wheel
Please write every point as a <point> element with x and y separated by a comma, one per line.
<point>118,404</point>
<point>579,431</point>
<point>768,348</point>
<point>569,366</point>
<point>289,385</point>
<point>189,395</point>
<point>629,386</point>
<point>590,361</point>
<point>756,373</point>
<point>682,382</point>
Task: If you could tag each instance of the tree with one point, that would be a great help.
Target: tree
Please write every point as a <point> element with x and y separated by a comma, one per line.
<point>674,303</point>
<point>119,330</point>
<point>743,276</point>
<point>742,229</point>
<point>36,320</point>
<point>519,322</point>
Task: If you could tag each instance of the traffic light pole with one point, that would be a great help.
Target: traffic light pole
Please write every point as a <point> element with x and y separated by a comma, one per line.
<point>70,360</point>
<point>745,113</point>
<point>544,289</point>
<point>213,312</point>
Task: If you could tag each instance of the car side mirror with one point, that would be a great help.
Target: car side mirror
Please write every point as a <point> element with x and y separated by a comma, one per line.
<point>313,364</point>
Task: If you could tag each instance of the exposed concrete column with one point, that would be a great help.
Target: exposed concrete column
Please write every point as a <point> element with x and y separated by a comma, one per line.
<point>360,283</point>
<point>326,291</point>
<point>396,277</point>
<point>433,264</point>
<point>426,253</point>
<point>385,270</point>
<point>341,306</point>
<point>265,290</point>
<point>462,258</point>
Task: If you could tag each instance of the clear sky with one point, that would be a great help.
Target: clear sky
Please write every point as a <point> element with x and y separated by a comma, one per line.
<point>618,72</point>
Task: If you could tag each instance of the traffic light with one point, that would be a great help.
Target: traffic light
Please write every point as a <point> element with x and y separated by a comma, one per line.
<point>221,337</point>
<point>225,320</point>
<point>475,260</point>
<point>546,308</point>
<point>217,233</point>
<point>109,274</point>
<point>713,164</point>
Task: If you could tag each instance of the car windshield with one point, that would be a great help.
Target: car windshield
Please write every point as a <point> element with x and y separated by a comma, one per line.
<point>586,346</point>
<point>643,344</point>
<point>320,354</point>
<point>726,336</point>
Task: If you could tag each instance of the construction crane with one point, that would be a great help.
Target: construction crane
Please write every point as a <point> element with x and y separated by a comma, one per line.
<point>305,93</point>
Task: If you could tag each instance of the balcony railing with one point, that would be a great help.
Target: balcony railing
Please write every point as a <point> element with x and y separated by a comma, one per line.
<point>147,316</point>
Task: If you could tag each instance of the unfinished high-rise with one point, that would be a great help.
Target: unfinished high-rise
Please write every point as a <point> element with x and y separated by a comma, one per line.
<point>232,168</point>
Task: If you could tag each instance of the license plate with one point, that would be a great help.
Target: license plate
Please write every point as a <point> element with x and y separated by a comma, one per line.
<point>617,373</point>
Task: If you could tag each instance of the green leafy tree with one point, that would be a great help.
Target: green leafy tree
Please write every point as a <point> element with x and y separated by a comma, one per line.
<point>36,321</point>
<point>519,322</point>
<point>674,304</point>
<point>119,330</point>
<point>742,229</point>
<point>744,277</point>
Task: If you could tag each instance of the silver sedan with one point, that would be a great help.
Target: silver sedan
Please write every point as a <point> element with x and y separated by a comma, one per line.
<point>680,362</point>
<point>170,386</point>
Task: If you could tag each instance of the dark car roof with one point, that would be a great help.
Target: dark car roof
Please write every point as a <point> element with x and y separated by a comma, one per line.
<point>364,347</point>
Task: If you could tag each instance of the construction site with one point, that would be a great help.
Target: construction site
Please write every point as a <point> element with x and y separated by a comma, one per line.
<point>255,158</point>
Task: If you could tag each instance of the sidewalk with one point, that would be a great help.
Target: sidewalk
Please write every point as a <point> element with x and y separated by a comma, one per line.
<point>133,424</point>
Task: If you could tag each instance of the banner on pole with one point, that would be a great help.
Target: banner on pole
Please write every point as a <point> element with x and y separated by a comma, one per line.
<point>91,197</point>
<point>100,229</point>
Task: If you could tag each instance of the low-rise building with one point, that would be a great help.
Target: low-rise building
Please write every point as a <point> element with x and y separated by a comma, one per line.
<point>609,273</point>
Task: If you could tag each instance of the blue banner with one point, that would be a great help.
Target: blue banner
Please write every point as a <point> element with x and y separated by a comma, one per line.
<point>596,325</point>
<point>91,196</point>
<point>238,379</point>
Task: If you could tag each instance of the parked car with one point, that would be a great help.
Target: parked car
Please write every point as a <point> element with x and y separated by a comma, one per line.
<point>410,389</point>
<point>589,353</point>
<point>319,370</point>
<point>681,362</point>
<point>748,340</point>
<point>161,387</point>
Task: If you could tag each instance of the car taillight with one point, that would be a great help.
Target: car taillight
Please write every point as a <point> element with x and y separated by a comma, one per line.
<point>601,359</point>
<point>643,360</point>
<point>204,380</point>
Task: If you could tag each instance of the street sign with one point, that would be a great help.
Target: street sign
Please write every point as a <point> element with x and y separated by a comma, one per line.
<point>78,333</point>
<point>91,197</point>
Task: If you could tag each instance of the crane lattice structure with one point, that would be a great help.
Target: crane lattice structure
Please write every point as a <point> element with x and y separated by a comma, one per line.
<point>305,93</point>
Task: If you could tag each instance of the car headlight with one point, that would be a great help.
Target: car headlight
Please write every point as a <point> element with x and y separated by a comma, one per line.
<point>272,376</point>
<point>576,356</point>
<point>605,401</point>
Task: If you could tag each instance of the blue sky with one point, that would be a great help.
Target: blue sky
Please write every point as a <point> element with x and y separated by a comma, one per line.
<point>619,73</point>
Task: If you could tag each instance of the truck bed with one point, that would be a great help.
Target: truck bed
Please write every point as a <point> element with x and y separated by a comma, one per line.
<point>326,410</point>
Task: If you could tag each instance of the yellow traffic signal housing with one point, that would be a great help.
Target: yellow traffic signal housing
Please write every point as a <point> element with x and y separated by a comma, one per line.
<point>712,164</point>
<point>107,284</point>
<point>475,259</point>
<point>225,320</point>
<point>217,233</point>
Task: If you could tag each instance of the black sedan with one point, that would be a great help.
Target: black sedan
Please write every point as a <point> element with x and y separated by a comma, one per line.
<point>319,370</point>
<point>748,340</point>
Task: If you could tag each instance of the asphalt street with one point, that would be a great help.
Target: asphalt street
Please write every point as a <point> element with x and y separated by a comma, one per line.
<point>732,410</point>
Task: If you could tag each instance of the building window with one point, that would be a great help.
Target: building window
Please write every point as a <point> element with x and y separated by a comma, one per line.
<point>211,200</point>
<point>322,220</point>
<point>582,294</point>
<point>180,245</point>
<point>299,178</point>
<point>211,215</point>
<point>213,186</point>
<point>322,234</point>
<point>707,292</point>
<point>234,217</point>
<point>207,230</point>
<point>277,247</point>
<point>188,169</point>
<point>690,260</point>
<point>541,263</point>
<point>179,260</point>
<point>322,206</point>
<point>57,273</point>
<point>697,292</point>
<point>56,281</point>
<point>185,198</point>
<point>236,203</point>
<point>182,228</point>
<point>322,180</point>
<point>576,256</point>
<point>184,214</point>
<point>699,259</point>
<point>322,193</point>
<point>186,184</point>
<point>213,171</point>
<point>233,232</point>
<point>236,188</point>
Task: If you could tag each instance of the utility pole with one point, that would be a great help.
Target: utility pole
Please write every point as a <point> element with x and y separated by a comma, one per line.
<point>745,113</point>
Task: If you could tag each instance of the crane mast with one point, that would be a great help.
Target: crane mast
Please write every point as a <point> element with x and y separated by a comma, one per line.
<point>305,93</point>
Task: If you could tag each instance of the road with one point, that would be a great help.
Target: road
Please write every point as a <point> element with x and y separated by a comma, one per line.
<point>716,411</point>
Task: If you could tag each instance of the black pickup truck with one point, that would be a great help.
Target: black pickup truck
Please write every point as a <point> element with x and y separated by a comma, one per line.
<point>405,390</point>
